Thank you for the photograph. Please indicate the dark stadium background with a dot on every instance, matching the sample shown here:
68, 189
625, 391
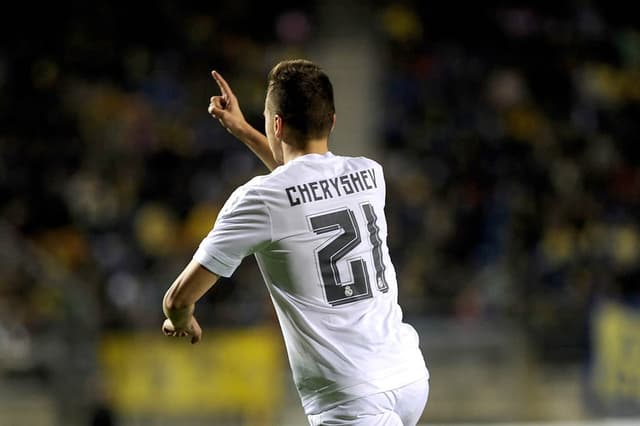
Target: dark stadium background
508, 132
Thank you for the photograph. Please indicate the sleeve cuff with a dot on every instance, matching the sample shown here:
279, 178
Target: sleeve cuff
214, 263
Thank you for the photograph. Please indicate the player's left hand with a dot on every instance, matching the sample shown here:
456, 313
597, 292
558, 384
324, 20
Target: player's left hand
192, 329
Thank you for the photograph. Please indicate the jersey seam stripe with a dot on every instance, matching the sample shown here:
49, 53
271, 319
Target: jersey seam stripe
261, 198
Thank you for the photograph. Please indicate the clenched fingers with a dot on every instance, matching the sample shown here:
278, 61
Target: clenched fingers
221, 102
169, 330
217, 105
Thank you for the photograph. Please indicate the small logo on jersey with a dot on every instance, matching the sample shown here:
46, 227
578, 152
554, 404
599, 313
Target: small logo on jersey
348, 291
380, 283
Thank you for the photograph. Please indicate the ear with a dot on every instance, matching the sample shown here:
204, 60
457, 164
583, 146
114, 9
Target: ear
333, 125
278, 126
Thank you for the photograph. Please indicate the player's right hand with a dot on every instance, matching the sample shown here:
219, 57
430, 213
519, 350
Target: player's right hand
225, 107
192, 330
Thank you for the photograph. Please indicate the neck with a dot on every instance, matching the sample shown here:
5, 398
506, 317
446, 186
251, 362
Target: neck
314, 146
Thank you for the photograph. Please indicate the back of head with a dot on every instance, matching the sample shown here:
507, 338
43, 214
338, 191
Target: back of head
302, 94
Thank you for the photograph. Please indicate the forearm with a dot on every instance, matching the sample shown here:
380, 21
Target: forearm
179, 301
258, 144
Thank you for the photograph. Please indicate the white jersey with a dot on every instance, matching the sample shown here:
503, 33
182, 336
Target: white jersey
317, 228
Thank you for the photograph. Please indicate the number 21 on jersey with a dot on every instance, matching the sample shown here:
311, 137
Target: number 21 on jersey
337, 291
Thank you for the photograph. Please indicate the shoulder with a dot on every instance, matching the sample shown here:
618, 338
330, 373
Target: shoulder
360, 161
261, 183
365, 163
370, 161
245, 195
264, 184
247, 188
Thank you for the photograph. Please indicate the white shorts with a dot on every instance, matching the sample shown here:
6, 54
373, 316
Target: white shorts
398, 407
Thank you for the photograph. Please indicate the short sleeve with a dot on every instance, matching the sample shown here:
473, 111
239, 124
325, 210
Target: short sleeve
243, 226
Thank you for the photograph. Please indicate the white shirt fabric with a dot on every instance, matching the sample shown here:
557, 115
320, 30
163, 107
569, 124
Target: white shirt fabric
318, 231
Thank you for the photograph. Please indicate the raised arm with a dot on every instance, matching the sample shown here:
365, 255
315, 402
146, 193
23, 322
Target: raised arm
226, 109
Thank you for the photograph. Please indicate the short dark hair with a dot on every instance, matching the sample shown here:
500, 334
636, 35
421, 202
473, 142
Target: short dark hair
302, 94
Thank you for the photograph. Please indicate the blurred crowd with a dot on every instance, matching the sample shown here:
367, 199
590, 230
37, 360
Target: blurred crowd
508, 139
514, 164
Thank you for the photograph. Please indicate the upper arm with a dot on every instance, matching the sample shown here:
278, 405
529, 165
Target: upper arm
192, 283
242, 228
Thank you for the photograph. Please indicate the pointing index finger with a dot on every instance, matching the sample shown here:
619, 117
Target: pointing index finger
222, 84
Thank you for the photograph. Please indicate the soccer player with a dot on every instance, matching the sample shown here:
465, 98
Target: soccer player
317, 228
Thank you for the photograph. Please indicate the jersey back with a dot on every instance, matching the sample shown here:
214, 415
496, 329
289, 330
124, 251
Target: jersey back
317, 228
